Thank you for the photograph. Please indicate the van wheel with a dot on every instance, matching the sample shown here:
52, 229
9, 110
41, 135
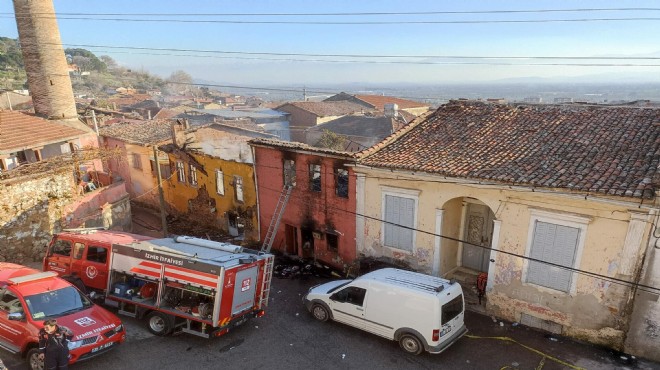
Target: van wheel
33, 359
410, 344
160, 324
320, 313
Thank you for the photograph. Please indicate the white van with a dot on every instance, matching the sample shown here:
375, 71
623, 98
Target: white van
419, 311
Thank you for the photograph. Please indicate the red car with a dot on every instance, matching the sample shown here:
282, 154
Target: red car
29, 297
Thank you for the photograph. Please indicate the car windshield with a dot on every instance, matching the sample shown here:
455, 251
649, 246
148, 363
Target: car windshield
56, 303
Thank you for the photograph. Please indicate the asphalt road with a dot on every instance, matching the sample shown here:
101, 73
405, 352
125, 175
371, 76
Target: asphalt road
287, 337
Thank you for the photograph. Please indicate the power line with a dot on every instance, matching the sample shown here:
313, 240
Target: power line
358, 55
348, 61
365, 23
516, 11
643, 287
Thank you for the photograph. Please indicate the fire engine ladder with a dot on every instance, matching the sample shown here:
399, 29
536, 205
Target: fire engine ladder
265, 285
277, 217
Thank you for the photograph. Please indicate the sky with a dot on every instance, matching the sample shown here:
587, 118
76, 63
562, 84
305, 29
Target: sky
400, 48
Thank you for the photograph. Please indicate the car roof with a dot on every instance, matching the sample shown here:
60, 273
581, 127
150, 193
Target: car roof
409, 279
107, 236
28, 281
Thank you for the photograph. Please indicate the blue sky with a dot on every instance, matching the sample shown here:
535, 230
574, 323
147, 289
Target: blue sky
591, 39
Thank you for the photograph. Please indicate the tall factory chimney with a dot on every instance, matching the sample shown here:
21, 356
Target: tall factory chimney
45, 63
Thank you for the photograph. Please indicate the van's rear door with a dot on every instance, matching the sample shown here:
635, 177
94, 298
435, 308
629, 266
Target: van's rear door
452, 317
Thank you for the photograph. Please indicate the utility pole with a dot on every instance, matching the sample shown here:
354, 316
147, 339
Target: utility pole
163, 216
96, 125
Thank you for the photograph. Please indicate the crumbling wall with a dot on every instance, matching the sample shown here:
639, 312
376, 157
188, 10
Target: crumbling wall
35, 207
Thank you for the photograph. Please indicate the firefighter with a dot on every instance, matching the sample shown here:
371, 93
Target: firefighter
54, 345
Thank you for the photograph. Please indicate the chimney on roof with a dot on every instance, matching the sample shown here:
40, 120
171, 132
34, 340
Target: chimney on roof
179, 132
45, 63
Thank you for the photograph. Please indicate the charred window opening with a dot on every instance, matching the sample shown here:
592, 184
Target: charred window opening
235, 223
315, 177
307, 236
332, 241
341, 179
289, 172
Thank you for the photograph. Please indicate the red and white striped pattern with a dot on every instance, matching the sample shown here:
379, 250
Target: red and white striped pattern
190, 276
151, 269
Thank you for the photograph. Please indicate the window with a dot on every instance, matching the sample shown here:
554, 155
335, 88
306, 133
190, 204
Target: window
353, 295
192, 172
556, 244
61, 247
315, 177
341, 182
238, 184
219, 182
399, 212
332, 241
97, 254
165, 170
9, 302
137, 161
289, 172
180, 169
78, 250
451, 309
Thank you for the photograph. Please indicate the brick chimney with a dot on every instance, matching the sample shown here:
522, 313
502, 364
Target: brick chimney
45, 63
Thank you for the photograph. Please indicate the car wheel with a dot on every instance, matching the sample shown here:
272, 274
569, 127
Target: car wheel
33, 360
160, 323
320, 312
410, 344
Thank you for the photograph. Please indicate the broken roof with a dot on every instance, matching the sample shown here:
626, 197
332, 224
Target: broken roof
327, 108
141, 133
604, 149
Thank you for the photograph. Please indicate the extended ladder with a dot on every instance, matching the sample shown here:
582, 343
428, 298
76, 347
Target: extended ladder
265, 285
277, 217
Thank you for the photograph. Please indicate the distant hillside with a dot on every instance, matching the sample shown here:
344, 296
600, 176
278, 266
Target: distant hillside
92, 75
12, 73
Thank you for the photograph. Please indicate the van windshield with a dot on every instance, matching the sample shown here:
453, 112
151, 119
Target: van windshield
451, 309
56, 303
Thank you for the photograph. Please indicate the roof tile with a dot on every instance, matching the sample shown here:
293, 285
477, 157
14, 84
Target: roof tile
606, 149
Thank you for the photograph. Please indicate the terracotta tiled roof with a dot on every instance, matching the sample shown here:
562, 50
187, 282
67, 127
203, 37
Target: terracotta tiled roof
291, 145
379, 101
611, 150
327, 109
141, 133
20, 131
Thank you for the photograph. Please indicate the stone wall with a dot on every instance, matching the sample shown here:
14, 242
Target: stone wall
33, 208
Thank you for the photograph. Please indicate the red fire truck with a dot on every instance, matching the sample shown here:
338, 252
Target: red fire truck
185, 284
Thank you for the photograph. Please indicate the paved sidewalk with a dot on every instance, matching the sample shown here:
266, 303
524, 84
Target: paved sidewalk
504, 340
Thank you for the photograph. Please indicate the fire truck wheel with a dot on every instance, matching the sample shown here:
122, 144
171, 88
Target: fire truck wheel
160, 323
320, 313
33, 359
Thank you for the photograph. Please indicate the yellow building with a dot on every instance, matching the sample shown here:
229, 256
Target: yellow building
556, 205
212, 179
